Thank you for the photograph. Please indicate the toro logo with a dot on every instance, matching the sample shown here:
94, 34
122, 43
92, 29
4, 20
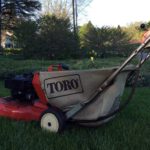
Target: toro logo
63, 86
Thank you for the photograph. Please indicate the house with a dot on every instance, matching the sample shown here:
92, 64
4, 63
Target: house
7, 41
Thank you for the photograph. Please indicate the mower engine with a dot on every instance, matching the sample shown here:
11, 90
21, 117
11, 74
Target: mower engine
21, 87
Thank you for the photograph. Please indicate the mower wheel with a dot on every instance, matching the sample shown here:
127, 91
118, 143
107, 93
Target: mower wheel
52, 120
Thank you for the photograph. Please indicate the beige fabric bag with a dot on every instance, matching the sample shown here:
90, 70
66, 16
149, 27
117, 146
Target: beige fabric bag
64, 89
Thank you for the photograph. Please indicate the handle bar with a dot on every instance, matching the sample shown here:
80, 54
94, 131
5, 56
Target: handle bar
134, 53
107, 82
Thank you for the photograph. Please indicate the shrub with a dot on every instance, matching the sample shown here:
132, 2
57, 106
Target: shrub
12, 51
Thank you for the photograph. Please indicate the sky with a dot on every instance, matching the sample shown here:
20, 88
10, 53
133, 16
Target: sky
116, 12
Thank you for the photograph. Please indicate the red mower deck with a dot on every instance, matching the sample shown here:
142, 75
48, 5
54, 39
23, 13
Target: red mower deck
21, 111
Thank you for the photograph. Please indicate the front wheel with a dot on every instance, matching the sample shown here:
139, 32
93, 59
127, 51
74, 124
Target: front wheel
52, 120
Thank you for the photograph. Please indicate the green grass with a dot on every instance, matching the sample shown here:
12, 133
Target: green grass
10, 65
129, 130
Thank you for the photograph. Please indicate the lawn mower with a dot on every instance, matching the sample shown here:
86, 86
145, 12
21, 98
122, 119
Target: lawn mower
86, 97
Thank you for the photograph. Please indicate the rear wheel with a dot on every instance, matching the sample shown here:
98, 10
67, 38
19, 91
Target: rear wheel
52, 120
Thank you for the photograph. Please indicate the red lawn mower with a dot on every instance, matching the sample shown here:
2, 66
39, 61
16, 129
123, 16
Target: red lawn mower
28, 101
87, 97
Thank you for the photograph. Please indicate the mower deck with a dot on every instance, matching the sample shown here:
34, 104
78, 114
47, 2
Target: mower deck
20, 110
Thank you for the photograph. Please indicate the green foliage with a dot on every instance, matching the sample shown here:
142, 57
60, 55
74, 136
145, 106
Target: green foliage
148, 24
25, 34
1, 49
50, 37
11, 65
104, 41
133, 31
12, 51
56, 37
14, 10
92, 53
86, 33
119, 42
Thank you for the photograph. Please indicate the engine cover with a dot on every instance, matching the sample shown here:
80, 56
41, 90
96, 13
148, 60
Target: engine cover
21, 87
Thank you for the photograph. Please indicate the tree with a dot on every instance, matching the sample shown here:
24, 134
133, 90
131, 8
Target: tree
148, 24
14, 10
86, 33
119, 41
78, 7
66, 9
104, 40
50, 37
94, 38
133, 31
59, 8
25, 35
63, 8
56, 37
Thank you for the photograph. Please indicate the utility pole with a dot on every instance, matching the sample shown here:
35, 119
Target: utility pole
75, 15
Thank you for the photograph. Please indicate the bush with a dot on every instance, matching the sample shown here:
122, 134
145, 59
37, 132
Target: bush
50, 37
12, 51
56, 38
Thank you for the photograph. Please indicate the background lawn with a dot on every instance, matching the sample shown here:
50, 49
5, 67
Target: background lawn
129, 130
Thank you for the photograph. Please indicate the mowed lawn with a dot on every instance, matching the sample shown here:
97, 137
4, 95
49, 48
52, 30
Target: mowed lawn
129, 130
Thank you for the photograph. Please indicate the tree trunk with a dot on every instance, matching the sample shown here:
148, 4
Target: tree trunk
74, 18
76, 15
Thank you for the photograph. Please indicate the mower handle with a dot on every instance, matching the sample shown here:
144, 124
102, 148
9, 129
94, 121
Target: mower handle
134, 53
107, 82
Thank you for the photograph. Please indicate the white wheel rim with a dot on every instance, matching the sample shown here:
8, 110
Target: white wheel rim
49, 122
